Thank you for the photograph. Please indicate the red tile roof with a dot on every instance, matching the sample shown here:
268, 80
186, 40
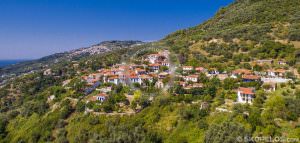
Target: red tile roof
102, 94
199, 68
246, 90
252, 77
154, 65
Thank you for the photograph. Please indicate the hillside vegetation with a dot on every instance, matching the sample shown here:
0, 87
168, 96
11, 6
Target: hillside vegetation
247, 20
55, 107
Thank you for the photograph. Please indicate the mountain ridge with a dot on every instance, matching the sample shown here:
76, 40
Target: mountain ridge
33, 65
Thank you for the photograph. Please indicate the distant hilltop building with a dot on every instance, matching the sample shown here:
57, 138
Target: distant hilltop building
47, 72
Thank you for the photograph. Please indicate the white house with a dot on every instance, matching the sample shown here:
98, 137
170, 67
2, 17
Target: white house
100, 97
245, 95
192, 78
154, 67
114, 80
152, 58
135, 79
159, 84
167, 64
187, 68
47, 72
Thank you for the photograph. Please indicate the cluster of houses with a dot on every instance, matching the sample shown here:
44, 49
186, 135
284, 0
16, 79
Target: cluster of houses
131, 74
270, 77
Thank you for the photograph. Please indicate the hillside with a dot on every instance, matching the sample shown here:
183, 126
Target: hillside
74, 55
247, 20
234, 78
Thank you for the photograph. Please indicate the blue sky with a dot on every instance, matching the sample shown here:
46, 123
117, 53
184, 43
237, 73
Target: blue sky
36, 28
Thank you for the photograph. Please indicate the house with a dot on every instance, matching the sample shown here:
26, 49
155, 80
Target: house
164, 63
249, 78
197, 85
114, 80
66, 82
271, 73
140, 71
105, 89
135, 79
164, 53
163, 75
187, 68
245, 95
200, 69
204, 105
154, 67
275, 80
276, 73
281, 63
146, 77
100, 97
183, 84
241, 72
159, 84
222, 76
262, 62
280, 72
213, 72
90, 80
152, 58
47, 72
192, 78
269, 86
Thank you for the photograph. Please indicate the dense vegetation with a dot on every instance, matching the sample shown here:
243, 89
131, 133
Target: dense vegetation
27, 114
247, 20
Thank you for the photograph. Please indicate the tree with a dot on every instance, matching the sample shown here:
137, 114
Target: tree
230, 83
80, 106
227, 132
274, 108
3, 123
254, 118
137, 94
259, 99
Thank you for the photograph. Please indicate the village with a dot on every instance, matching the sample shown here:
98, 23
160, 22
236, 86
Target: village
156, 72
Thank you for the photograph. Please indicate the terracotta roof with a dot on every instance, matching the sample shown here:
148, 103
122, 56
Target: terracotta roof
114, 77
94, 98
246, 90
277, 70
199, 68
145, 76
280, 70
139, 69
102, 94
133, 76
182, 83
253, 77
154, 65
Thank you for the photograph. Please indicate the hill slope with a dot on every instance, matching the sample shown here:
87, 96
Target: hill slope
28, 114
29, 66
248, 20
